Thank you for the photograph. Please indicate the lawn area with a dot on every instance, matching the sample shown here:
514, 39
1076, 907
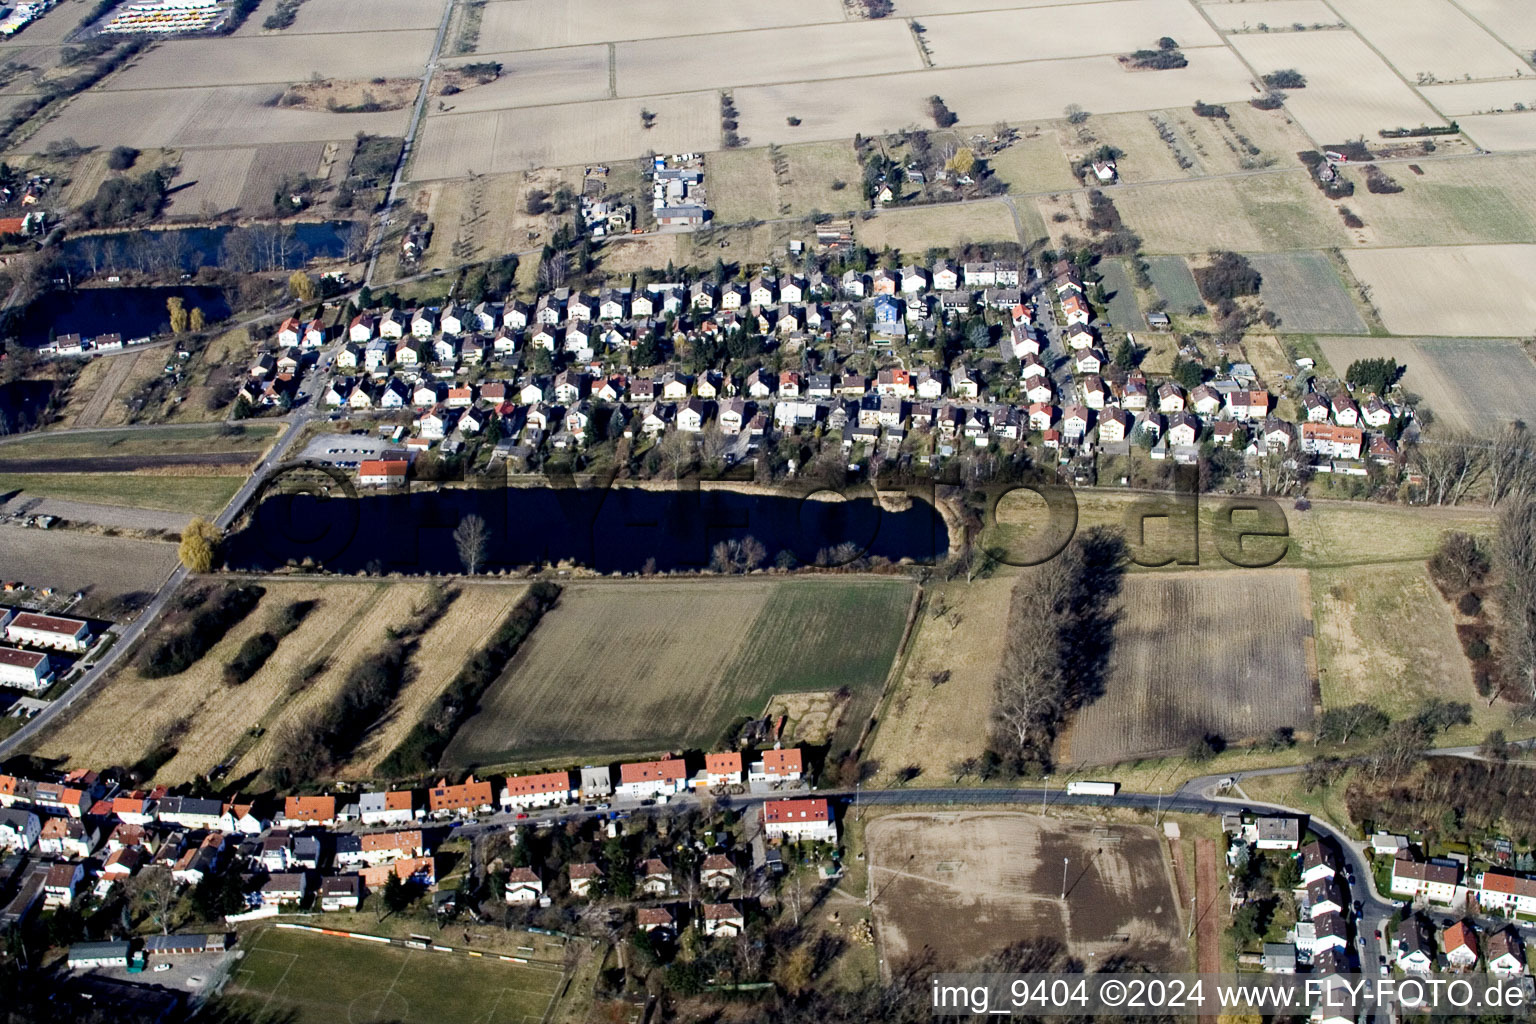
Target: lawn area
178, 440
1035, 163
916, 229
746, 184
325, 980
627, 669
1386, 637
190, 494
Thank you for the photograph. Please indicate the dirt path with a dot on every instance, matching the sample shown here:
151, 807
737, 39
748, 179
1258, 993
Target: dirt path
97, 407
1207, 916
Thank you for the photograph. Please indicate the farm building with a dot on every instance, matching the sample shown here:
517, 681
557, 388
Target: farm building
799, 820
51, 631
25, 670
680, 216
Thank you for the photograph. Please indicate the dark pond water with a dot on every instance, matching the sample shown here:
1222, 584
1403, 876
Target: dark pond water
131, 312
616, 531
260, 247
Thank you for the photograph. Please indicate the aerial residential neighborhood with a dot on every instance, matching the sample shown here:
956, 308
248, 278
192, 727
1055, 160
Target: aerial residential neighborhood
640, 514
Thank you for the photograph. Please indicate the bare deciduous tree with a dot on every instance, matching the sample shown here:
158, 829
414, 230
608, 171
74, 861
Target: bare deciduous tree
1514, 555
471, 536
1450, 462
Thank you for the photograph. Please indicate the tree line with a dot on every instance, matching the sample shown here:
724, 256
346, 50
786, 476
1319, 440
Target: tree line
1059, 637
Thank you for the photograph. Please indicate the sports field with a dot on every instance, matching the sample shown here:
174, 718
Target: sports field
323, 979
621, 669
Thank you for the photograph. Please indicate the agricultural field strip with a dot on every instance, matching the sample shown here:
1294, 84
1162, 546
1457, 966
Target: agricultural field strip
454, 144
693, 658
1249, 681
391, 609
474, 615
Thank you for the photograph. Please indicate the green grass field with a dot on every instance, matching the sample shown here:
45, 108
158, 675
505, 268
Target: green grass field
190, 494
1308, 295
625, 670
182, 440
322, 979
1174, 282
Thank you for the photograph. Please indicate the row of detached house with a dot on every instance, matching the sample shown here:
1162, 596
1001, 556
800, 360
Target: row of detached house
83, 828
615, 304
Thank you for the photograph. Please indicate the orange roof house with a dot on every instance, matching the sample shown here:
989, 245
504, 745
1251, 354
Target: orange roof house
316, 809
471, 795
410, 869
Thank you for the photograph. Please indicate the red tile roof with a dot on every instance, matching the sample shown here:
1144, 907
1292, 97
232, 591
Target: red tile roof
778, 812
672, 769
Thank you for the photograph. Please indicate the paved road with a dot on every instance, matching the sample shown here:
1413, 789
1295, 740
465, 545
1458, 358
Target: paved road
417, 111
130, 632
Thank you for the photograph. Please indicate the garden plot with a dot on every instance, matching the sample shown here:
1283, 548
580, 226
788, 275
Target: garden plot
210, 181
916, 229
1495, 279
349, 17
1510, 20
1469, 384
1124, 314
1501, 131
1173, 280
1351, 92
1038, 89
620, 670
1452, 202
1202, 653
1308, 295
524, 25
1250, 214
970, 882
1429, 39
1460, 98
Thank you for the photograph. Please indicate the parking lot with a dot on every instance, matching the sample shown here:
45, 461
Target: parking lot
345, 451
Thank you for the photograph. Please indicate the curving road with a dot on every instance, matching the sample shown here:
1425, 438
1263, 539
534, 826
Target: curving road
130, 632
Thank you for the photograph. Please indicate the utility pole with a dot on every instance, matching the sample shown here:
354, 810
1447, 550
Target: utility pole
1064, 862
1192, 908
